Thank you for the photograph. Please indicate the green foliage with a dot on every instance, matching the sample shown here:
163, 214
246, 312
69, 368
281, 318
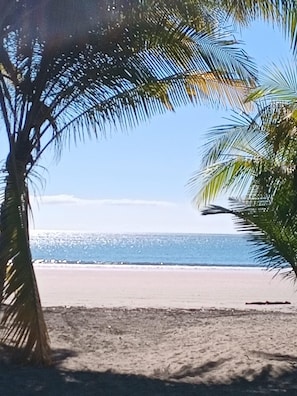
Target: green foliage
271, 229
264, 151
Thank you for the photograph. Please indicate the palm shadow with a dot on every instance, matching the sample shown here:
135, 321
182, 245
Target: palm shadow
276, 356
11, 356
189, 371
28, 381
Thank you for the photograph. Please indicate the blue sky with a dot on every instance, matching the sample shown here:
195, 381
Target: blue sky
136, 181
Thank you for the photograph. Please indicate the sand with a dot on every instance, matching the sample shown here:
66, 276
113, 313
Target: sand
161, 287
163, 332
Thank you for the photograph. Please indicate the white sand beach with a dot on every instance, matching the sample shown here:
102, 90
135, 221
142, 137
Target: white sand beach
162, 287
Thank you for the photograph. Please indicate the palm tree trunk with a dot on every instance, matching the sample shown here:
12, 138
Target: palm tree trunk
23, 320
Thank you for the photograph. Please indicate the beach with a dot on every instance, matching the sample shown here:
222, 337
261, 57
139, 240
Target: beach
162, 287
125, 331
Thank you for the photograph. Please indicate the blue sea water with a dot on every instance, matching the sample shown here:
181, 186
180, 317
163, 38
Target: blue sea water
142, 249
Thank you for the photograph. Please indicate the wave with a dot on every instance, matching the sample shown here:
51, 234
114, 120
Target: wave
138, 265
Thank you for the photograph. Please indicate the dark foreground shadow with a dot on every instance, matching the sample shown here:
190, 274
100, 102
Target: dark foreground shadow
28, 381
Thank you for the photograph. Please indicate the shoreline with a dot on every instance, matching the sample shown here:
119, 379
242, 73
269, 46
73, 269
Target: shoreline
56, 265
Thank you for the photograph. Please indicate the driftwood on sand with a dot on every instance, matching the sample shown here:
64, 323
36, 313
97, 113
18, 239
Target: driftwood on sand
267, 303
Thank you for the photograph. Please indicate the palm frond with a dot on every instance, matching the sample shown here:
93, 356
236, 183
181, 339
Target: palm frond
234, 176
22, 318
273, 239
290, 26
231, 159
133, 88
275, 11
278, 83
261, 147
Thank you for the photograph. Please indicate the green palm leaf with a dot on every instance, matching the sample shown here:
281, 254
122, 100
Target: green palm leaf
268, 209
231, 159
273, 237
278, 83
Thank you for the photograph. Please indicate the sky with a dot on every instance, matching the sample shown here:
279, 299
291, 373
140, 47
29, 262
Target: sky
136, 181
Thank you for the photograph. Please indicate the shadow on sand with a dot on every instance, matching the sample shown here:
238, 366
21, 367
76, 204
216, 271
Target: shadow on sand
27, 381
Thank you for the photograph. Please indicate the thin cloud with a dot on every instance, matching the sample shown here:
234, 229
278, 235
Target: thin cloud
64, 199
61, 199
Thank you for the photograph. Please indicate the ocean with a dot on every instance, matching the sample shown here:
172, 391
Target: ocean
82, 248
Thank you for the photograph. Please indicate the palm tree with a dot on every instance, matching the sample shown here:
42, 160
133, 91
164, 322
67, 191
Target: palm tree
70, 69
256, 158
